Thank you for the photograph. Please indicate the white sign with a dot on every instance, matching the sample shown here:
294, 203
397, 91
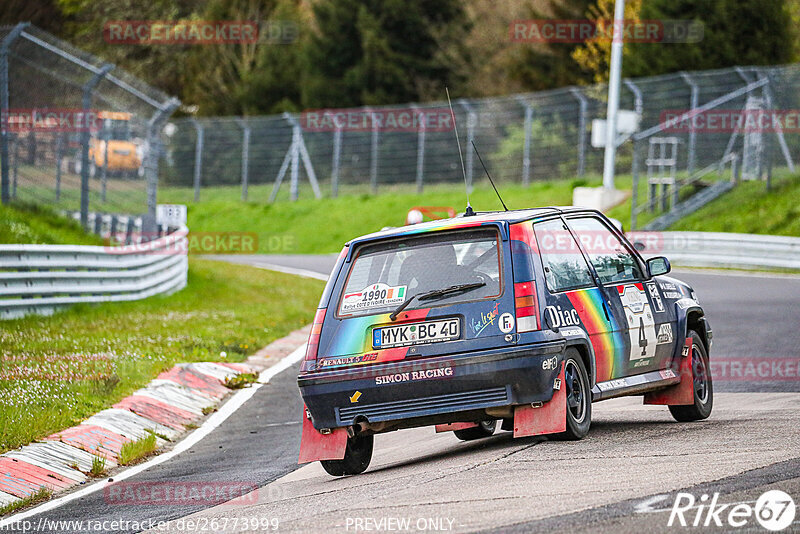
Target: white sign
171, 214
627, 123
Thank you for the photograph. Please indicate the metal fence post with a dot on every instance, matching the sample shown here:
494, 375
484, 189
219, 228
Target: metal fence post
767, 91
88, 89
104, 177
420, 147
471, 120
198, 157
638, 107
526, 147
337, 153
690, 160
59, 157
15, 168
373, 163
4, 106
154, 126
245, 155
583, 105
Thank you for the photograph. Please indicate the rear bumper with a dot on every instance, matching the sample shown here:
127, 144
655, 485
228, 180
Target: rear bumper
432, 389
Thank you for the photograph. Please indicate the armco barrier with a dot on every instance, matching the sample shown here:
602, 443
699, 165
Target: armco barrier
713, 249
42, 278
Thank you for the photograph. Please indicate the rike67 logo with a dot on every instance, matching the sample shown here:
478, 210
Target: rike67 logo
774, 510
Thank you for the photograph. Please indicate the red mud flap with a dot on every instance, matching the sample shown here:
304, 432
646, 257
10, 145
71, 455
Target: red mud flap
550, 418
317, 446
454, 426
682, 393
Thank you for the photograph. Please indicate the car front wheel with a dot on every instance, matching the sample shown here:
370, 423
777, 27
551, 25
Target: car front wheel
703, 388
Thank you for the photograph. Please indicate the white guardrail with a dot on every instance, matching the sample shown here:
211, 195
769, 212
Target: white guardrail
712, 249
42, 278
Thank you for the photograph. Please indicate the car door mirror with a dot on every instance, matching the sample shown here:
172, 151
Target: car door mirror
658, 265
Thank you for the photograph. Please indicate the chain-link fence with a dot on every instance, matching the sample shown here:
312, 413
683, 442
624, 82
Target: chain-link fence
77, 133
522, 138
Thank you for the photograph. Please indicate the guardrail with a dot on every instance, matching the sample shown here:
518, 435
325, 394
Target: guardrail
713, 249
42, 278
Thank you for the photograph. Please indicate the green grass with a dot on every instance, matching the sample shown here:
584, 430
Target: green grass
321, 226
22, 223
751, 209
241, 380
98, 467
41, 495
134, 451
56, 371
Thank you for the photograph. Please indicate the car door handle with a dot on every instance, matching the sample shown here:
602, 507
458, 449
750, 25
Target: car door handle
605, 310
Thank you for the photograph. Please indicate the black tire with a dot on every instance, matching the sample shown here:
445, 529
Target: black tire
356, 457
703, 387
483, 430
579, 397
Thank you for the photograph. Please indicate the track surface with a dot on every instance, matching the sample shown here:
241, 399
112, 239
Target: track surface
622, 478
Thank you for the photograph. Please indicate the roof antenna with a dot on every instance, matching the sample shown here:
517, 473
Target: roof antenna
489, 175
469, 212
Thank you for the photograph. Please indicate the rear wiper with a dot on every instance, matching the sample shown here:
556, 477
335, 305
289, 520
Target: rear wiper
436, 293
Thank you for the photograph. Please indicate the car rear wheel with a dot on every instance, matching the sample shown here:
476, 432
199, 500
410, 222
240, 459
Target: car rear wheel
356, 459
483, 430
703, 387
579, 397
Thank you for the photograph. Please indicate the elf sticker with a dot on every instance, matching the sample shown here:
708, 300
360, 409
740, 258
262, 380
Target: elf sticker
375, 296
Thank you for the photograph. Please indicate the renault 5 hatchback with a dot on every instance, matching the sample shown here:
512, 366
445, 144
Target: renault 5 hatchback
519, 317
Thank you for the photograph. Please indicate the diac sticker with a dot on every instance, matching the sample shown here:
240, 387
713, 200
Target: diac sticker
375, 296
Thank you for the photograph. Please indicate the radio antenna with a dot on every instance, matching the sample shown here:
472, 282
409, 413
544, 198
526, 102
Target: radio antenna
489, 176
469, 212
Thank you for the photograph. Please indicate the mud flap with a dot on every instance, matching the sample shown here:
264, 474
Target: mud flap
682, 393
454, 426
550, 418
317, 446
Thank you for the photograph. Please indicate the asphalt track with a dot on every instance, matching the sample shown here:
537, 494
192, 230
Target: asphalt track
622, 478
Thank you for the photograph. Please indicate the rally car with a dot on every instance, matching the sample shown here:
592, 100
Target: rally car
524, 317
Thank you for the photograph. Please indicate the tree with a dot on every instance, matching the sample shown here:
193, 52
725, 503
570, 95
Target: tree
735, 32
248, 78
158, 64
379, 51
550, 65
594, 55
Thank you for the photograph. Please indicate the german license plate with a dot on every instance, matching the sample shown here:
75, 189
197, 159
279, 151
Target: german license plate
416, 334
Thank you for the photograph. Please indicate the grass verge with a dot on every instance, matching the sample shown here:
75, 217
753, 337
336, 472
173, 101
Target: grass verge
134, 451
22, 223
41, 495
241, 381
56, 371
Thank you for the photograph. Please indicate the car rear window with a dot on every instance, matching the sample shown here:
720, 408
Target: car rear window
384, 275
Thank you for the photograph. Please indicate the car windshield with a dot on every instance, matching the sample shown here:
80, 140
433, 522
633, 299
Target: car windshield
386, 275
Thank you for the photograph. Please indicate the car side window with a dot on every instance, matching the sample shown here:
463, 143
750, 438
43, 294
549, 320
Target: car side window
564, 266
612, 261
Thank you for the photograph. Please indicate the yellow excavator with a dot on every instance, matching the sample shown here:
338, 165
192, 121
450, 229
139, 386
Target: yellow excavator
124, 155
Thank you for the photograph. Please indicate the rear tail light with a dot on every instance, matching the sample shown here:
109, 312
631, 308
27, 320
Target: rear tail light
526, 306
313, 341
